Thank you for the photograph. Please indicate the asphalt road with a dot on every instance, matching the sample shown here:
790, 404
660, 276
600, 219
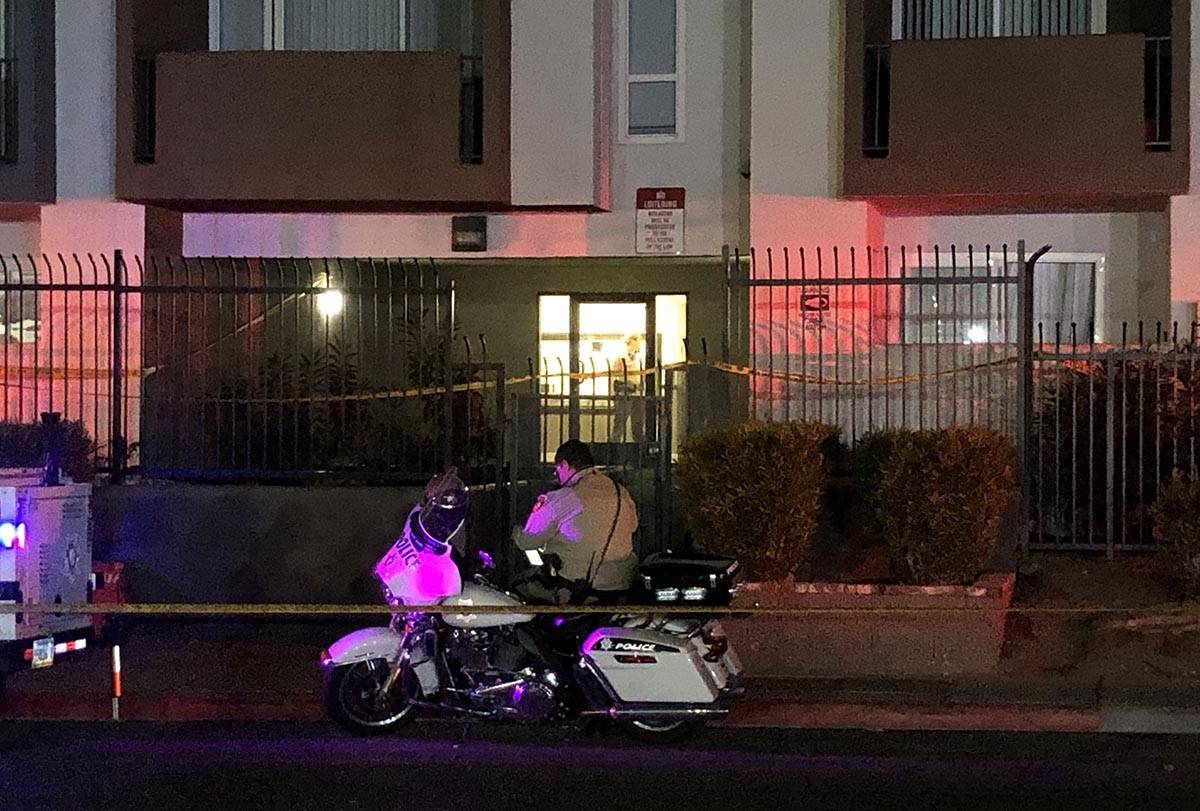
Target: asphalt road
437, 766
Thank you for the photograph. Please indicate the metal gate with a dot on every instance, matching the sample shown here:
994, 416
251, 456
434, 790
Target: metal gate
882, 339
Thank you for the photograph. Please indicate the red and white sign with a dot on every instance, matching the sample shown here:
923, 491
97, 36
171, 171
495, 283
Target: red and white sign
660, 221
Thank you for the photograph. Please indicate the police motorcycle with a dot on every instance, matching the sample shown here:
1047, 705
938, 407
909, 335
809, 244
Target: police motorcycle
658, 678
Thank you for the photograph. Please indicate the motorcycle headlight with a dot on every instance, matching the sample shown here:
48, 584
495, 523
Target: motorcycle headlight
388, 597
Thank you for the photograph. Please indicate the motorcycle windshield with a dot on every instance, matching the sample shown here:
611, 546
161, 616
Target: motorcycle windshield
444, 509
416, 577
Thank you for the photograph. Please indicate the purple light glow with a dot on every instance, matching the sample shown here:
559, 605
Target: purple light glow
558, 621
12, 535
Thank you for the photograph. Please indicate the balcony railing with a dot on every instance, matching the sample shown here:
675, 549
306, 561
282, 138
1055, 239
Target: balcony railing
877, 99
145, 113
964, 19
470, 118
1158, 94
8, 111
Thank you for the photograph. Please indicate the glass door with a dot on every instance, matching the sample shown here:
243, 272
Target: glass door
597, 361
610, 355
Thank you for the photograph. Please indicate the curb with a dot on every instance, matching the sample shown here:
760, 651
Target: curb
162, 708
805, 714
879, 715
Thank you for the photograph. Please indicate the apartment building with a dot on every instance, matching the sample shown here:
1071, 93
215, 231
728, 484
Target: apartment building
577, 166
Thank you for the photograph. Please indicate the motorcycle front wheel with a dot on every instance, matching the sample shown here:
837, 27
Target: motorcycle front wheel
354, 698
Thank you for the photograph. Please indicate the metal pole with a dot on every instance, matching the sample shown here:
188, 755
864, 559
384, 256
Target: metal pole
1025, 386
726, 259
448, 374
1110, 439
116, 437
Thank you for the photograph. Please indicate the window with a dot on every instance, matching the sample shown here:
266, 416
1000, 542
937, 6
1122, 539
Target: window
364, 25
962, 19
18, 307
1064, 293
650, 54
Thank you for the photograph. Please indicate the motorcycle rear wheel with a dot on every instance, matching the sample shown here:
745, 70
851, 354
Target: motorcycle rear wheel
353, 699
661, 731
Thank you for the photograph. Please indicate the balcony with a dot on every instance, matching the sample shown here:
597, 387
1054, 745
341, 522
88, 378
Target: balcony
281, 130
27, 139
1008, 122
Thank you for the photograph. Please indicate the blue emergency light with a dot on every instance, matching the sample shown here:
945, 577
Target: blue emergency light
12, 535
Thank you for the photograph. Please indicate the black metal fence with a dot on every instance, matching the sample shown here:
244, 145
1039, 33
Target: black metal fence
248, 368
353, 369
883, 339
62, 320
1113, 424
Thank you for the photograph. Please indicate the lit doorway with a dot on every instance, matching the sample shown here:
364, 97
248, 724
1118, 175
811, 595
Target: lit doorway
598, 356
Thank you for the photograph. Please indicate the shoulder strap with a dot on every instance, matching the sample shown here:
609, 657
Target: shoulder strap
611, 531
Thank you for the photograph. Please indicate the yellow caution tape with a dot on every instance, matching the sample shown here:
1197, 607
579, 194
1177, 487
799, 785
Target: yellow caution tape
299, 609
808, 379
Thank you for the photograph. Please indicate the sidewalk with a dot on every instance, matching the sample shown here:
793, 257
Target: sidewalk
1058, 673
205, 671
993, 705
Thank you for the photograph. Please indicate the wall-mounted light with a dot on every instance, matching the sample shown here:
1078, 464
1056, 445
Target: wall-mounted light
468, 233
330, 303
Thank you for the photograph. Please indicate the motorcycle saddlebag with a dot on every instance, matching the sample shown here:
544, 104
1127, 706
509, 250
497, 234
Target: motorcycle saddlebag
685, 578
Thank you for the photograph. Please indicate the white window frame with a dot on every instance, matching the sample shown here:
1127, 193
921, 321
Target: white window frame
1099, 18
624, 79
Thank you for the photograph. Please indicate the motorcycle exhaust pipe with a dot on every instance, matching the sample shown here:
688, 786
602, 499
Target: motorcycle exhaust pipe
665, 712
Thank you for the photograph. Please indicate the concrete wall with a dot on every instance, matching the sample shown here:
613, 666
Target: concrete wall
19, 237
85, 76
1136, 248
1185, 210
231, 544
796, 130
553, 133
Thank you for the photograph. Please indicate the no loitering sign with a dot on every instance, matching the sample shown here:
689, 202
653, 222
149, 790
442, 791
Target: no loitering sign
660, 220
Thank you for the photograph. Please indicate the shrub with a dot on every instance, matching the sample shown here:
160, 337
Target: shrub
941, 497
753, 490
23, 445
1177, 527
872, 454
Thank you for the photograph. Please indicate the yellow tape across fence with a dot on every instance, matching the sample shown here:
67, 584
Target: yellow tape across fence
28, 374
1176, 611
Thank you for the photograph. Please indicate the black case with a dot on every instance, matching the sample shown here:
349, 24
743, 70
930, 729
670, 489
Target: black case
662, 571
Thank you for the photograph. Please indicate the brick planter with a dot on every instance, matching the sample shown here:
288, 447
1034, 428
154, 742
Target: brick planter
887, 643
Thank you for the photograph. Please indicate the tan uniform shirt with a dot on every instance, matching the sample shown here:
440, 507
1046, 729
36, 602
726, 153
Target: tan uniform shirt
574, 523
